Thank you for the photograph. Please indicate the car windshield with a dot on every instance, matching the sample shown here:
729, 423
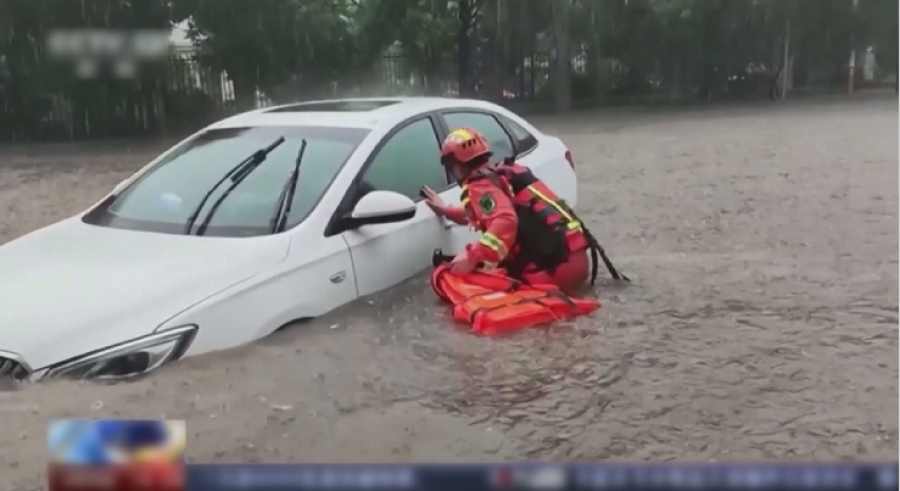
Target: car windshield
163, 198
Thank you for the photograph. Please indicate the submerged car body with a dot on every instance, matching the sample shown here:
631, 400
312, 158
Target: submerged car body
126, 286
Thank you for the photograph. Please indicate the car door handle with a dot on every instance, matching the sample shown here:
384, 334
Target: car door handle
338, 277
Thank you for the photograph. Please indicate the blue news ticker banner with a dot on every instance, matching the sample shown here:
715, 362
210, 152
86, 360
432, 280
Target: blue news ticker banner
545, 477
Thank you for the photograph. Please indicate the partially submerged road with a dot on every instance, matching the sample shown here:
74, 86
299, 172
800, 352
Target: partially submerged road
762, 323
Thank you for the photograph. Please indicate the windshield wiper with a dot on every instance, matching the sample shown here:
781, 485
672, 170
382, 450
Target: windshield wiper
283, 209
237, 174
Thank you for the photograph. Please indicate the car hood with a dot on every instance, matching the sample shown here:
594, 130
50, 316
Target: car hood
72, 288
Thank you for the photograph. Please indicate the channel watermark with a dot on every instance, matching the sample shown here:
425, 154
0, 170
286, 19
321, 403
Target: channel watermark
103, 53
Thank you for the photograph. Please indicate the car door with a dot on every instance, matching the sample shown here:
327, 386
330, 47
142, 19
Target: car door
386, 254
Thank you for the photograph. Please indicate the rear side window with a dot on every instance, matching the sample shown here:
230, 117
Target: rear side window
501, 143
524, 140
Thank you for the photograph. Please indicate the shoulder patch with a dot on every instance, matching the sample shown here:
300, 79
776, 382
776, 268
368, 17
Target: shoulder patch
487, 203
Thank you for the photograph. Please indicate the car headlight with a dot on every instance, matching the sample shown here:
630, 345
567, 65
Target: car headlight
125, 360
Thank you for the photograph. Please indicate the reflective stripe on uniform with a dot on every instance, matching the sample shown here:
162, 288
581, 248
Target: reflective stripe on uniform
571, 222
491, 241
464, 196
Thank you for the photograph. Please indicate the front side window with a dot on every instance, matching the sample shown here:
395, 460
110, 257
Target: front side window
487, 125
409, 160
163, 199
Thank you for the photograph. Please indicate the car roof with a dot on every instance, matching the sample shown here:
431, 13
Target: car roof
365, 113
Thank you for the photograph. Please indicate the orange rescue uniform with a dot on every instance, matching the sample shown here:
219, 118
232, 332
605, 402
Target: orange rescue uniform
489, 208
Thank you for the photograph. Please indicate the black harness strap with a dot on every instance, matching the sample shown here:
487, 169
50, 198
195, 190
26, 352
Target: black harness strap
597, 249
490, 175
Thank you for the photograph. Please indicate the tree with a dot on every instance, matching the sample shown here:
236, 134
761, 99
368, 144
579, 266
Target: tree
429, 32
264, 44
30, 85
878, 23
562, 59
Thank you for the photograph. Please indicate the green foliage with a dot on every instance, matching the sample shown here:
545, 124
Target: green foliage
878, 23
30, 87
263, 44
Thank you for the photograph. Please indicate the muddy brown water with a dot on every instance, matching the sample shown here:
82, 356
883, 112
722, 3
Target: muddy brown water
762, 323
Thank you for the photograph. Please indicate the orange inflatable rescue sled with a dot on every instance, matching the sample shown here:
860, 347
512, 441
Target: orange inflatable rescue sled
494, 303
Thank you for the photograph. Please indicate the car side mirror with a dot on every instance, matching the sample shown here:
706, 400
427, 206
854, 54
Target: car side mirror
379, 207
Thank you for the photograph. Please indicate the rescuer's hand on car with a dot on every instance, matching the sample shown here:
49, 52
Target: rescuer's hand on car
434, 201
455, 214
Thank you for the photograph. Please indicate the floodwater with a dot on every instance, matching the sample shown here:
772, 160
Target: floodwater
761, 325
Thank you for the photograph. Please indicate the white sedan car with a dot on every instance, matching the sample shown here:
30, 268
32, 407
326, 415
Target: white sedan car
317, 204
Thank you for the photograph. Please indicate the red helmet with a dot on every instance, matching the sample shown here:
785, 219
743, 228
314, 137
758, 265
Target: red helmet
463, 145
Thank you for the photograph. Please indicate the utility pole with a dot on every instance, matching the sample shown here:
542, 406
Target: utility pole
851, 78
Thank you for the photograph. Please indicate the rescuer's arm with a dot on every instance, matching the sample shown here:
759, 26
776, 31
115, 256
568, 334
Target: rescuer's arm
493, 208
456, 214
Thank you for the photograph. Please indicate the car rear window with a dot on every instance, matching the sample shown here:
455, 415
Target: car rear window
163, 199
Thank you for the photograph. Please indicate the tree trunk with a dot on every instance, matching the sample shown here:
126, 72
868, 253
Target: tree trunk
464, 49
595, 65
561, 73
432, 72
492, 61
712, 53
787, 60
245, 94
